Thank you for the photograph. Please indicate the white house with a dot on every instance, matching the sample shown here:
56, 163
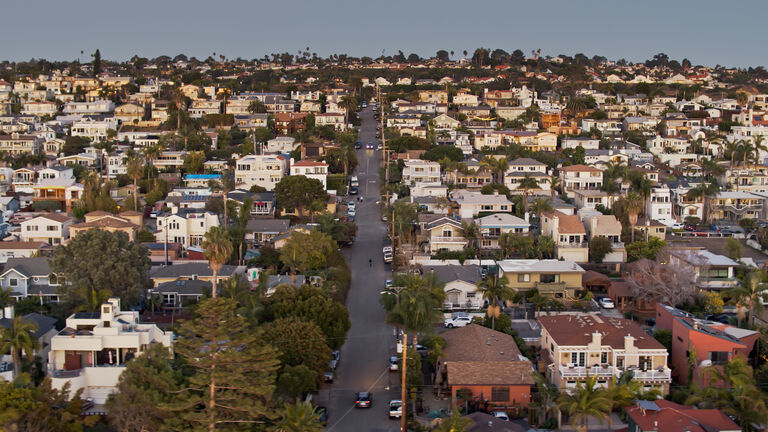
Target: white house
94, 129
92, 351
659, 205
261, 170
52, 229
311, 169
184, 226
519, 168
421, 171
472, 204
460, 285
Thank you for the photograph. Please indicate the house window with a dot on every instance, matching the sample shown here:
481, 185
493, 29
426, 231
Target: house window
549, 278
718, 357
579, 359
447, 233
13, 282
604, 357
51, 228
524, 277
500, 394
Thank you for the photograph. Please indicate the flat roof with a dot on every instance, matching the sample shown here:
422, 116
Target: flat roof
539, 266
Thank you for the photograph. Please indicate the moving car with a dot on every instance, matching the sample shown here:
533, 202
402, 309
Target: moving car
379, 147
459, 321
393, 363
606, 303
370, 145
358, 146
395, 408
363, 400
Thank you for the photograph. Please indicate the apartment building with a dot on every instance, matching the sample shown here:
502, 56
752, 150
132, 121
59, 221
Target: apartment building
659, 205
261, 170
201, 108
89, 108
95, 129
39, 108
421, 171
92, 351
713, 272
734, 206
16, 143
580, 346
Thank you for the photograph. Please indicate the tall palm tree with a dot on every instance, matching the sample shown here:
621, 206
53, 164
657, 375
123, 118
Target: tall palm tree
349, 103
299, 417
541, 205
6, 297
497, 166
526, 184
225, 185
135, 168
104, 147
496, 290
471, 231
151, 153
748, 150
180, 101
218, 250
554, 182
705, 192
750, 293
18, 338
731, 147
633, 203
759, 147
241, 228
585, 401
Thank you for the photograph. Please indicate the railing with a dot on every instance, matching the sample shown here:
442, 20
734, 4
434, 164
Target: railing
550, 287
617, 245
649, 375
448, 240
583, 372
67, 373
573, 245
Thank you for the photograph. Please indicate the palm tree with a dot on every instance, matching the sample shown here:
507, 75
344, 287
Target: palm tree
586, 400
633, 203
541, 205
18, 338
226, 185
180, 101
349, 103
497, 166
547, 395
218, 250
151, 153
495, 290
750, 293
526, 184
731, 147
6, 297
104, 147
748, 150
757, 144
299, 417
241, 229
455, 423
705, 192
135, 168
471, 231
554, 182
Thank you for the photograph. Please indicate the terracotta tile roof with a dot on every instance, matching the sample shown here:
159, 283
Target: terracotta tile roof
99, 213
106, 222
489, 373
568, 224
573, 168
57, 217
569, 330
477, 343
668, 416
131, 213
21, 245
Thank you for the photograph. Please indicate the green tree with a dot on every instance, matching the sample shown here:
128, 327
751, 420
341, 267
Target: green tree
713, 302
471, 232
599, 247
349, 103
497, 166
146, 388
299, 343
96, 65
643, 249
540, 205
526, 184
257, 107
233, 370
705, 192
19, 338
299, 417
135, 169
632, 203
299, 193
312, 304
306, 251
497, 291
585, 401
218, 250
750, 293
193, 162
99, 260
295, 381
225, 185
24, 407
733, 248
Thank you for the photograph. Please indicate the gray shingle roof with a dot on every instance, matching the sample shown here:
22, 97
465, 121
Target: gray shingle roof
183, 287
268, 225
188, 269
450, 273
29, 266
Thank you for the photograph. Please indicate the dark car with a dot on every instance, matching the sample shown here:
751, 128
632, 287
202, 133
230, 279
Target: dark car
358, 146
353, 190
363, 400
322, 413
328, 377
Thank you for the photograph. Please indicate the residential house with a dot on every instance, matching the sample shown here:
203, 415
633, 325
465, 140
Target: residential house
472, 204
421, 171
712, 343
129, 113
554, 278
21, 249
444, 233
185, 226
494, 225
89, 108
433, 96
486, 366
169, 159
106, 222
474, 179
713, 272
311, 169
335, 120
52, 228
201, 107
659, 205
191, 271
591, 198
93, 128
262, 231
580, 346
45, 329
249, 122
734, 206
519, 168
260, 170
17, 144
663, 415
648, 228
461, 285
585, 143
39, 108
569, 235
263, 202
65, 191
579, 177
287, 123
683, 206
281, 144
606, 226
26, 277
175, 294
92, 351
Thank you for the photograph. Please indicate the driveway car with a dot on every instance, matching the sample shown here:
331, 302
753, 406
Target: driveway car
459, 321
501, 415
606, 303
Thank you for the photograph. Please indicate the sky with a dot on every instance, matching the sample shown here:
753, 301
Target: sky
704, 31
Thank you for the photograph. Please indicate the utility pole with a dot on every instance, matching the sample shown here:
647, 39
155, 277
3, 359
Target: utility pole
403, 390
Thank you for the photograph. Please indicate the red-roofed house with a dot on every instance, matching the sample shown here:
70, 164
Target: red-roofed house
311, 169
666, 416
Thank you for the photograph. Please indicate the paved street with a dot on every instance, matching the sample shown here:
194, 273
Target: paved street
364, 362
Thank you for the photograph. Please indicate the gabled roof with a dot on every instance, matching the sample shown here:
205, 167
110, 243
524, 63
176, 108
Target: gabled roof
190, 269
28, 267
569, 330
450, 273
578, 168
667, 416
526, 161
44, 323
481, 344
489, 373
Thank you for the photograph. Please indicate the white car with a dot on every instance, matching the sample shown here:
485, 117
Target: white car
395, 408
678, 226
351, 206
606, 303
459, 321
388, 257
393, 363
501, 415
386, 249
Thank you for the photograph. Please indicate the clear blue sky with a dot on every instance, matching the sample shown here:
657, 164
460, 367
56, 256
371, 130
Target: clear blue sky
705, 31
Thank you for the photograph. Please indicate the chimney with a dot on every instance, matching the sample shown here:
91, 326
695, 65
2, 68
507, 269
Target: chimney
695, 325
629, 342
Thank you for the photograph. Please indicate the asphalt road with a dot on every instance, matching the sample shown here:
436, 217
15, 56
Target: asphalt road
364, 364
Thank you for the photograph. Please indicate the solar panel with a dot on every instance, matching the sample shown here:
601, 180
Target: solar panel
648, 405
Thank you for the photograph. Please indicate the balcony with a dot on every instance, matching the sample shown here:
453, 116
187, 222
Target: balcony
662, 374
583, 372
455, 240
583, 245
617, 245
550, 287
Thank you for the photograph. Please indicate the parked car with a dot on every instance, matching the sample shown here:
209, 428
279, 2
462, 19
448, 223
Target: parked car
501, 415
606, 303
378, 147
353, 190
386, 249
363, 400
388, 284
388, 257
358, 146
328, 376
393, 363
351, 206
678, 226
459, 321
395, 408
322, 413
332, 364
